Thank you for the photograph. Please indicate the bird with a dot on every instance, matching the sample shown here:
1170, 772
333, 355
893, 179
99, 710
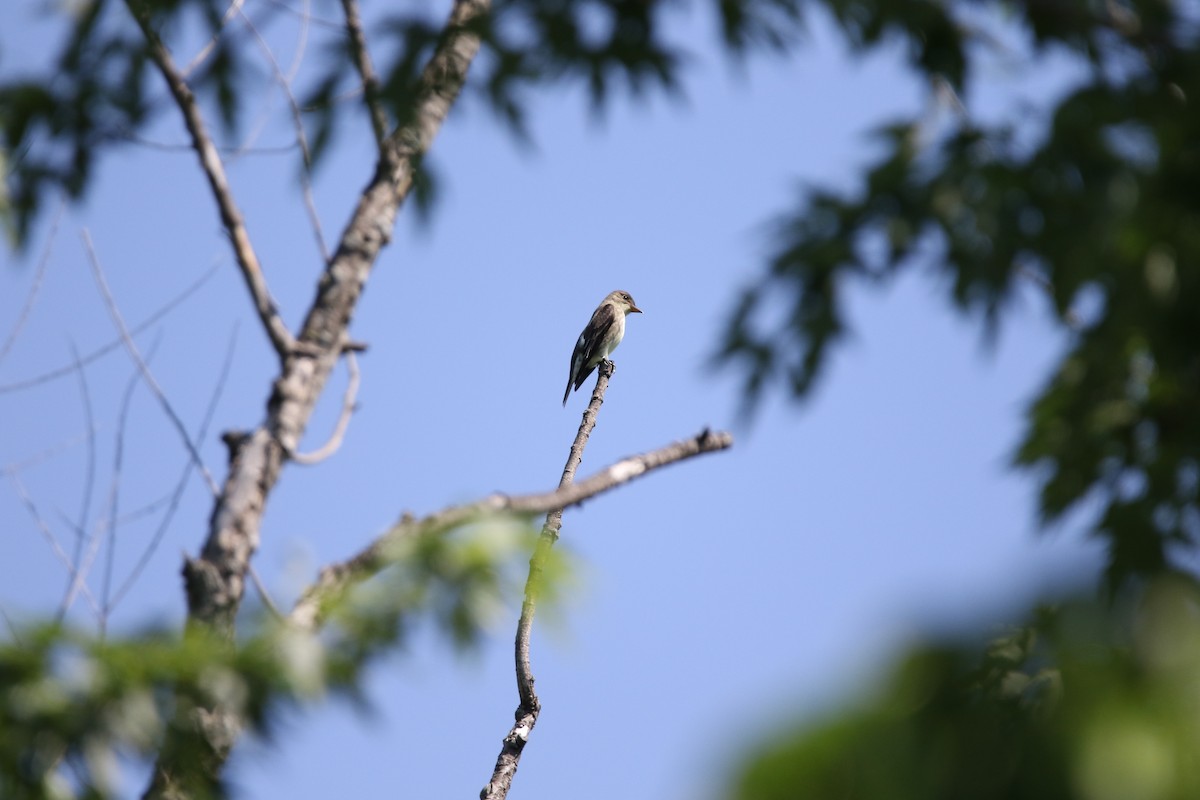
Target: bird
600, 337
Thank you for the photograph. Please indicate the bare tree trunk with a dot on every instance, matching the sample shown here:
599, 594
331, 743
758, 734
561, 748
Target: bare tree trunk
215, 580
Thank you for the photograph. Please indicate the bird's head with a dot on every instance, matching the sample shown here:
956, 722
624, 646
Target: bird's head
624, 301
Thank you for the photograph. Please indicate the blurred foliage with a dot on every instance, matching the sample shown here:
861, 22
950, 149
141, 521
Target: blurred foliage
1103, 211
77, 710
1094, 699
1089, 701
101, 90
97, 93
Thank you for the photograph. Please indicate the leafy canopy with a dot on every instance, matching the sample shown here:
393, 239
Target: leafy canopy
1103, 209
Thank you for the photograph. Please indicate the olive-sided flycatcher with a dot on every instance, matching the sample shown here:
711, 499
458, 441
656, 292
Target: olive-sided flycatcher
603, 333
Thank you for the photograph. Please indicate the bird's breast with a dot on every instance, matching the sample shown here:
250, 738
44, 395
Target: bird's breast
618, 333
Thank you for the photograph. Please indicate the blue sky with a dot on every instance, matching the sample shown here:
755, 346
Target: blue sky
715, 599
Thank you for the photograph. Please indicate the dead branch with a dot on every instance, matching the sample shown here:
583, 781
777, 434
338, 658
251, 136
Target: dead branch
216, 579
285, 86
227, 150
143, 367
362, 62
349, 406
114, 502
84, 566
89, 478
100, 352
12, 629
43, 455
38, 277
210, 162
264, 595
172, 500
530, 707
301, 43
44, 529
305, 15
211, 44
337, 579
258, 456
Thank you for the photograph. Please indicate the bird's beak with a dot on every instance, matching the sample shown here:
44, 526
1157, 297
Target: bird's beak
634, 309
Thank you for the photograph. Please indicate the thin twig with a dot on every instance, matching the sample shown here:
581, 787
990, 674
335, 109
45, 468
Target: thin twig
301, 43
38, 277
151, 508
114, 500
530, 707
177, 494
79, 576
43, 455
349, 405
206, 51
249, 144
250, 140
228, 150
89, 478
305, 15
12, 629
353, 93
284, 82
143, 368
362, 61
264, 595
99, 352
210, 161
48, 535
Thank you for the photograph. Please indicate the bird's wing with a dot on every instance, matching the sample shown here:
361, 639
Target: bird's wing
587, 349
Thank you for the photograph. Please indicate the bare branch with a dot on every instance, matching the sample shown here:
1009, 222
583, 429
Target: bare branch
38, 277
238, 151
301, 140
99, 352
210, 161
216, 579
12, 629
260, 124
249, 144
362, 61
530, 707
301, 43
234, 8
114, 501
306, 16
143, 368
335, 580
89, 478
151, 508
48, 535
83, 567
43, 455
264, 595
349, 406
176, 495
